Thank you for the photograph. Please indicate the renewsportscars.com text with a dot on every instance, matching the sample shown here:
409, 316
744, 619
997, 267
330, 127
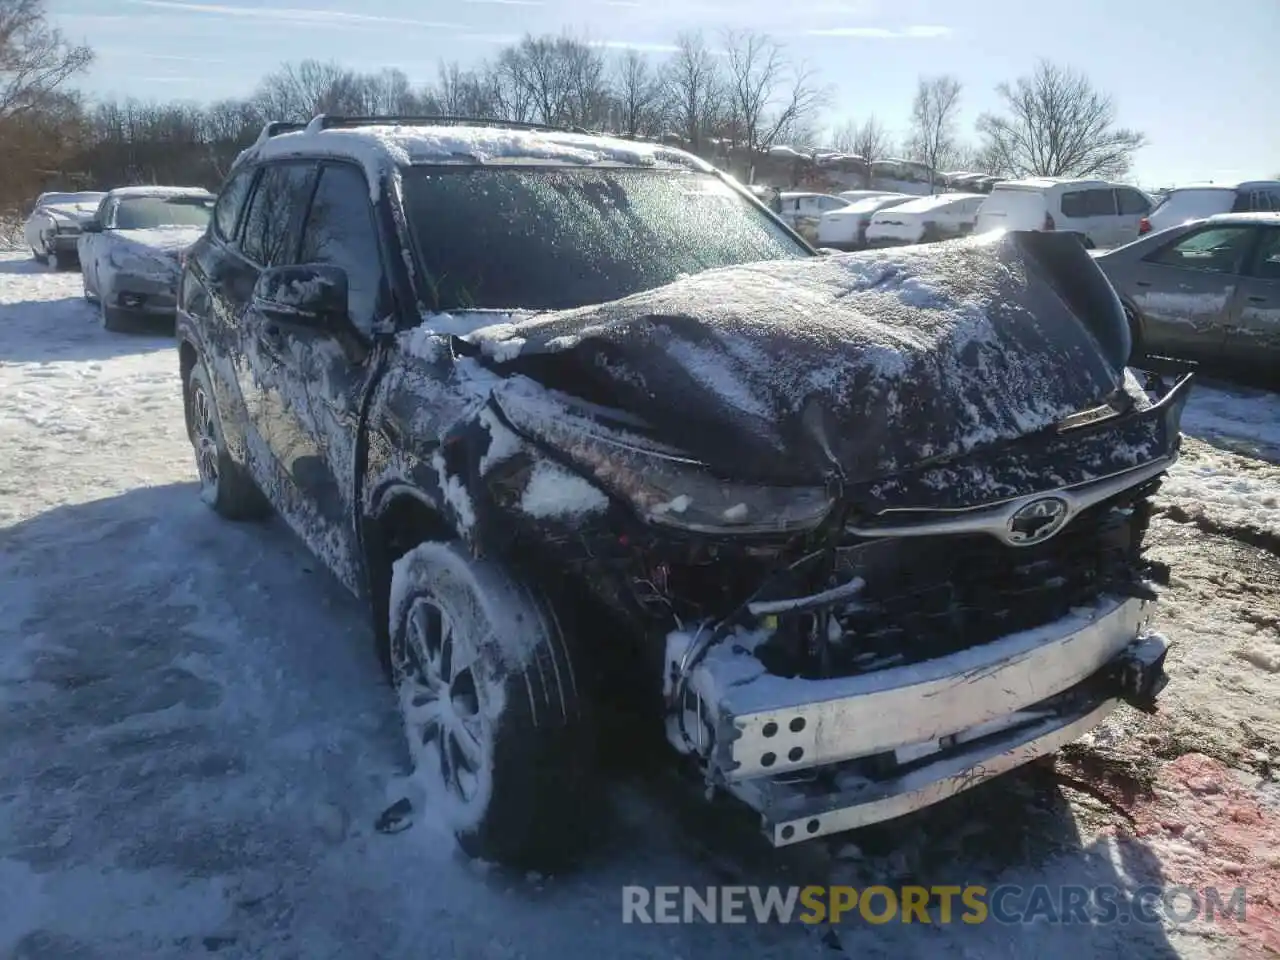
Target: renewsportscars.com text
942, 904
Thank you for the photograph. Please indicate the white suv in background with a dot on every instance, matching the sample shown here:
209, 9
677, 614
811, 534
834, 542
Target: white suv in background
1103, 214
1195, 201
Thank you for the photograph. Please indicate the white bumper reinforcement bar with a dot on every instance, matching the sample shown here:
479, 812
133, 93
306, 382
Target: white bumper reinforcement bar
766, 725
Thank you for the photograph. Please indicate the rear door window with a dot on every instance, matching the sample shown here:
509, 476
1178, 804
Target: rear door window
226, 212
272, 222
1074, 204
1211, 250
1266, 261
1131, 202
1100, 203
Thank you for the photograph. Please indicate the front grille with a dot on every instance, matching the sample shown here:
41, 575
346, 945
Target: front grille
930, 596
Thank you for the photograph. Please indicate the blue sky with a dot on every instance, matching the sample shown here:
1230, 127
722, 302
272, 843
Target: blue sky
1200, 82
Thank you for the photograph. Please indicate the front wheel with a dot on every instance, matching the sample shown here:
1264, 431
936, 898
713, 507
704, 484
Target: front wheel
224, 485
493, 707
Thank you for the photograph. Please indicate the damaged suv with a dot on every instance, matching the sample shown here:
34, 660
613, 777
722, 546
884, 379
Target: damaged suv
599, 438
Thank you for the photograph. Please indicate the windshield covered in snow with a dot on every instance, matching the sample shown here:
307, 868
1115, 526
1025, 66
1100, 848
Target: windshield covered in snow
553, 239
141, 213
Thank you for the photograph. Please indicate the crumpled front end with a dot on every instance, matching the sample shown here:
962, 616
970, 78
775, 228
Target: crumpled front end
926, 651
937, 575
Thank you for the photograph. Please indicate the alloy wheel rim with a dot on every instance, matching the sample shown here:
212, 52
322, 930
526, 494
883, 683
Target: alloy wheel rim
439, 698
205, 438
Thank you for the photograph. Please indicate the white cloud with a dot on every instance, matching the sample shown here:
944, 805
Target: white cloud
499, 38
883, 33
298, 16
143, 55
640, 45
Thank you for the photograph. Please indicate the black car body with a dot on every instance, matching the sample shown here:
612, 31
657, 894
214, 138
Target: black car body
856, 531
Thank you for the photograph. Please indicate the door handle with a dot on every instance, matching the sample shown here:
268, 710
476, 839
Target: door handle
1142, 283
1257, 299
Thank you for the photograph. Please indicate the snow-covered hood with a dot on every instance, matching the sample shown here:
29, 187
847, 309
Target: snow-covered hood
872, 361
151, 253
164, 240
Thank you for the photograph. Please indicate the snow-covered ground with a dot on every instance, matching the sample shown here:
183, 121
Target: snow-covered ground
195, 737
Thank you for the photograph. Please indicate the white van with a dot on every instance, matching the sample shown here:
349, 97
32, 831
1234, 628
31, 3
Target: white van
1196, 201
1103, 214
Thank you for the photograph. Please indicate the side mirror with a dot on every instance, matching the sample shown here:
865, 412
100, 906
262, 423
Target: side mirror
311, 295
92, 226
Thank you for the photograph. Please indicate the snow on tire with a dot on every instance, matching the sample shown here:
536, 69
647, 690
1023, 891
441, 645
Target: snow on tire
492, 708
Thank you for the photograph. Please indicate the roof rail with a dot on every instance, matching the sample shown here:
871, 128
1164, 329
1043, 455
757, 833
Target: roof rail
328, 122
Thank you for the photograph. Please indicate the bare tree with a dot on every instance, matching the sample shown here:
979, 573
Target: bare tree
768, 96
977, 158
300, 91
868, 140
35, 59
694, 89
40, 123
1058, 125
933, 122
638, 92
559, 80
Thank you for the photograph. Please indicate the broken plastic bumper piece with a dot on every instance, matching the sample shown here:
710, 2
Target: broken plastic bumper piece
815, 757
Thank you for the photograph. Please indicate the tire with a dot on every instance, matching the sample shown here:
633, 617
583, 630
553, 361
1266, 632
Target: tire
224, 484
109, 318
1136, 352
508, 756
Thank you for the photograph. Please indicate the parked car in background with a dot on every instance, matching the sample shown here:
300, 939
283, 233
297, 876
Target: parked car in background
604, 475
1196, 201
802, 211
846, 228
131, 251
52, 229
1206, 291
771, 197
849, 196
925, 219
1102, 214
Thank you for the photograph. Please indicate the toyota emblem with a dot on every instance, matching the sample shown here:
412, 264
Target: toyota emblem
1037, 521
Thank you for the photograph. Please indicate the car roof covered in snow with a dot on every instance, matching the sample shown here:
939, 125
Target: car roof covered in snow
803, 194
925, 204
1048, 183
1232, 185
121, 193
382, 147
1261, 218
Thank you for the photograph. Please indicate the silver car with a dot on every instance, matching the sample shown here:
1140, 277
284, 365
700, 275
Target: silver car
1206, 291
53, 227
131, 251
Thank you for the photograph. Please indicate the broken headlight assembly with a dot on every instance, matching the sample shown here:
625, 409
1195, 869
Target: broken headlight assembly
665, 487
